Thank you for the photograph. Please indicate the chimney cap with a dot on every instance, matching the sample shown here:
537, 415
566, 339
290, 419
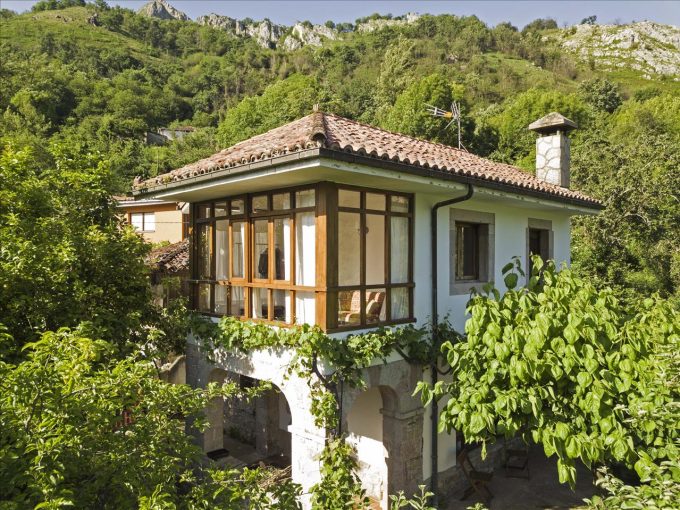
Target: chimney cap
551, 123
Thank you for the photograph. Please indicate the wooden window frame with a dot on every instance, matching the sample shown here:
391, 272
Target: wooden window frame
248, 281
334, 288
460, 249
326, 288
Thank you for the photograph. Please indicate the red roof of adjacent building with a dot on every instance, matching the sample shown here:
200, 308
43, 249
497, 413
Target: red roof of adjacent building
338, 134
171, 258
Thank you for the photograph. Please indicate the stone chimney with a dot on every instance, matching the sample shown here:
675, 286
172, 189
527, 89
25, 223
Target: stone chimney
552, 148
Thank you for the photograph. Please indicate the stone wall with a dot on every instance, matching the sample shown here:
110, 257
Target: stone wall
552, 159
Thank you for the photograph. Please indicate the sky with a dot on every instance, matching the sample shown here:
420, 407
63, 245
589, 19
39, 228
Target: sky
518, 12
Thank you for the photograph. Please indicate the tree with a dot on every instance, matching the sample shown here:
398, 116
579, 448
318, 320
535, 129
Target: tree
568, 366
64, 255
81, 430
601, 94
589, 20
410, 116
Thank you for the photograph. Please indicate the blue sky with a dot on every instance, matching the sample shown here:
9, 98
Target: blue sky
519, 13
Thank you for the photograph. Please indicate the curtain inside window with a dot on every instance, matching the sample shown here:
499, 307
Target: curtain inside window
305, 249
399, 250
150, 222
399, 303
238, 249
222, 250
305, 308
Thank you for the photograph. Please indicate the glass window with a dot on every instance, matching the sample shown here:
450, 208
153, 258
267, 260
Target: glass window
399, 303
281, 201
467, 251
305, 198
349, 307
347, 198
260, 204
204, 255
204, 211
238, 239
349, 248
204, 297
238, 207
261, 249
149, 222
222, 250
221, 208
282, 309
221, 299
137, 221
237, 307
375, 249
399, 249
305, 308
305, 249
282, 249
260, 307
399, 204
375, 201
375, 306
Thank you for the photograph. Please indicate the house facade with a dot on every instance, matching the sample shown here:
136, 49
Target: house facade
156, 220
331, 222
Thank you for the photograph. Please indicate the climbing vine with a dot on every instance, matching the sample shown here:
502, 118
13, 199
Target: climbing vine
339, 487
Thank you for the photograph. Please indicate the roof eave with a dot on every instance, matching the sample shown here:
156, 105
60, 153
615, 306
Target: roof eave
351, 157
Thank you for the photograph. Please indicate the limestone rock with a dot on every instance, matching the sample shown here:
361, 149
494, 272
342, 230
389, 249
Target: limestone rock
266, 33
377, 24
652, 48
162, 10
304, 35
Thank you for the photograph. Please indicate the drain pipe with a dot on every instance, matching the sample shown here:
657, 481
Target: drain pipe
435, 336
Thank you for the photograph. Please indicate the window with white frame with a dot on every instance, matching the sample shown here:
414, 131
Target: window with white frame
143, 221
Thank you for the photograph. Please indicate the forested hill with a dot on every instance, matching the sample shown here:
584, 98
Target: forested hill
98, 78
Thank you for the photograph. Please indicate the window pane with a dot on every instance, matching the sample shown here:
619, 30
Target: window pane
221, 299
399, 249
349, 307
260, 204
238, 232
305, 249
149, 222
238, 207
375, 249
399, 204
349, 255
281, 305
305, 198
375, 201
281, 201
221, 208
400, 303
260, 306
204, 255
237, 305
305, 308
467, 242
375, 306
282, 249
204, 211
222, 249
137, 220
260, 245
203, 300
347, 198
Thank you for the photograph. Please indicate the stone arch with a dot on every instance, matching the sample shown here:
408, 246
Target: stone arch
213, 437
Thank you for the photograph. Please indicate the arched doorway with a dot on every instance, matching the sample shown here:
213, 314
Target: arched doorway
248, 432
366, 431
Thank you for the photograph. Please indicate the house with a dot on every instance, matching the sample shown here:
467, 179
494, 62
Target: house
366, 228
157, 220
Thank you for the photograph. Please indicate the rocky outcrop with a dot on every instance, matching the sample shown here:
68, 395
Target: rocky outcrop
645, 46
162, 10
266, 33
372, 25
305, 35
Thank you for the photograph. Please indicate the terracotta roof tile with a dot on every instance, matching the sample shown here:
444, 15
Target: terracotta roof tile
170, 259
323, 130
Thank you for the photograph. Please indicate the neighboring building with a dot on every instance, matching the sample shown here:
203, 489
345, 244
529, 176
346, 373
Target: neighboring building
351, 213
166, 135
169, 271
157, 220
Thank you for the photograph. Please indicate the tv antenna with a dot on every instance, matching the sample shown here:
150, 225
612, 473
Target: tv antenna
454, 115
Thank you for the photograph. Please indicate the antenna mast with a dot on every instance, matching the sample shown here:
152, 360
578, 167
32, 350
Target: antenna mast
454, 115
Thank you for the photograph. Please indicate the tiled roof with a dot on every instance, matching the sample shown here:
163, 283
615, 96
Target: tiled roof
323, 130
170, 259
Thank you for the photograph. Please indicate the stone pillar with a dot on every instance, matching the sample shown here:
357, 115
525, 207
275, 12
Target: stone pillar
403, 439
267, 424
306, 451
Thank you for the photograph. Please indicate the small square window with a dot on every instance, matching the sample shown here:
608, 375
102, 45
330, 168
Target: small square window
204, 211
399, 204
375, 201
347, 198
305, 198
260, 204
237, 207
281, 201
221, 208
